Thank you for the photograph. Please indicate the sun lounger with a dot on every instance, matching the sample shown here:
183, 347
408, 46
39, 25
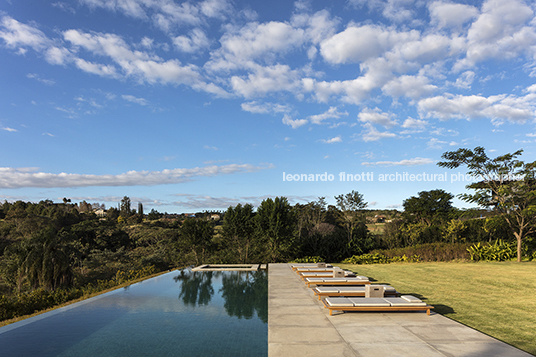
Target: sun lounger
350, 291
403, 303
317, 270
309, 265
358, 280
324, 274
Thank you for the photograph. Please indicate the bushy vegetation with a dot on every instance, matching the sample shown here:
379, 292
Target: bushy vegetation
378, 258
497, 251
54, 252
316, 259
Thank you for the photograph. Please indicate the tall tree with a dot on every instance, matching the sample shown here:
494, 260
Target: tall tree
428, 206
197, 235
504, 184
125, 210
274, 223
239, 229
351, 208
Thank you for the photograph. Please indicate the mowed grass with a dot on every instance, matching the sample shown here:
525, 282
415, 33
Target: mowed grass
496, 298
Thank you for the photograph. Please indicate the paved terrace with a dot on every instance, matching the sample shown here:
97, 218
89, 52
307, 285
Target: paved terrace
299, 325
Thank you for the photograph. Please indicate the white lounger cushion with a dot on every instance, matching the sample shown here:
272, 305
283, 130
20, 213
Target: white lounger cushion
302, 270
351, 289
314, 280
327, 289
339, 302
361, 302
404, 302
335, 280
410, 298
388, 289
308, 265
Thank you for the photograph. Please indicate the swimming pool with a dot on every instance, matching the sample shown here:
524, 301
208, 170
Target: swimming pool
181, 313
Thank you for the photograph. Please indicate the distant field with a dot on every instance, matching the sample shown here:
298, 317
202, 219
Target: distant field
496, 298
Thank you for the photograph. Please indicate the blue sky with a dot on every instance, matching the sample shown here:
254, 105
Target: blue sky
200, 105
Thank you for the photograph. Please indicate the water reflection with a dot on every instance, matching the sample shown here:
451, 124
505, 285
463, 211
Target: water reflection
196, 287
244, 292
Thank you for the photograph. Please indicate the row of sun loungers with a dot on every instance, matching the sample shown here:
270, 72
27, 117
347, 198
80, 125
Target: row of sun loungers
344, 291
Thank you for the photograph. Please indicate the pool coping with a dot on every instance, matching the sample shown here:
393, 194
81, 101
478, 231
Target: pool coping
229, 267
299, 325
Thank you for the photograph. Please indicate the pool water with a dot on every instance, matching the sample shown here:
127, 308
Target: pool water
181, 313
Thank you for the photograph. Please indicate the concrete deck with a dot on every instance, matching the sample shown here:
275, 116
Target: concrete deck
299, 325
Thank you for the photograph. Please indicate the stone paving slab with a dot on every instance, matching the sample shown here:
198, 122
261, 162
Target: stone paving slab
299, 325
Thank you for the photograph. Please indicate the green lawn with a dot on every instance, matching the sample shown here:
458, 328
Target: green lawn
496, 298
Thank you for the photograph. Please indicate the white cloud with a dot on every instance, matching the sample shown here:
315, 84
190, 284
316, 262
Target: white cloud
265, 107
331, 113
406, 162
16, 35
215, 8
376, 116
196, 40
414, 87
497, 108
264, 80
399, 10
140, 65
294, 123
414, 124
8, 129
165, 15
501, 31
133, 99
435, 143
29, 177
465, 80
256, 41
35, 76
372, 134
318, 26
357, 44
444, 132
450, 15
336, 139
197, 202
98, 69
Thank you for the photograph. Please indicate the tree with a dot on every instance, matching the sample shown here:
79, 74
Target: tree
274, 227
42, 260
505, 184
239, 230
125, 207
429, 206
351, 208
197, 235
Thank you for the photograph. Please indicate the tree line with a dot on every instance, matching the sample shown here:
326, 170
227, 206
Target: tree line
52, 246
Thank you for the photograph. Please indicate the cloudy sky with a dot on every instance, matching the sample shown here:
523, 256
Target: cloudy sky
197, 105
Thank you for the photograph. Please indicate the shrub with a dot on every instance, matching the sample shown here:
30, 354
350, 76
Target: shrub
430, 252
313, 259
369, 258
498, 251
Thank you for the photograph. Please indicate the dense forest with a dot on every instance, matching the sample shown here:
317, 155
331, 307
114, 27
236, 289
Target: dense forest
52, 252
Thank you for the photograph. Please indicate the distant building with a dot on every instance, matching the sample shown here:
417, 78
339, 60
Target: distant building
100, 212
